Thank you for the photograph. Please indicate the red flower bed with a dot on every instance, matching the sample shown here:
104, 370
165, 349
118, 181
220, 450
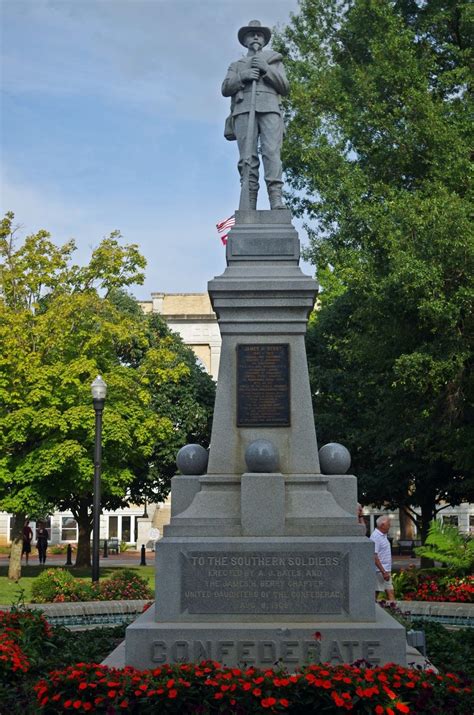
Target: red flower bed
12, 658
22, 638
210, 688
452, 589
16, 623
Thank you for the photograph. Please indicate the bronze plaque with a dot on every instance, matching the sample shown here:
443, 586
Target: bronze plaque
264, 582
263, 385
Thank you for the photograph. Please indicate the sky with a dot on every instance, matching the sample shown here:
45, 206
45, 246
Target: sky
112, 118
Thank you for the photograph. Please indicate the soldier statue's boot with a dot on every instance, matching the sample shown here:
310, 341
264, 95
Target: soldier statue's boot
276, 201
253, 200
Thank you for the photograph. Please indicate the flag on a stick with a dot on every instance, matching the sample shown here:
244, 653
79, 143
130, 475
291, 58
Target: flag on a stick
223, 227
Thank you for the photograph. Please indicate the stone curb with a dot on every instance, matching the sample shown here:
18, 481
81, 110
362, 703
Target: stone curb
78, 608
438, 608
422, 608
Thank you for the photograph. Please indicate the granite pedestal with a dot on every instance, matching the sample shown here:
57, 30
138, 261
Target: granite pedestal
256, 568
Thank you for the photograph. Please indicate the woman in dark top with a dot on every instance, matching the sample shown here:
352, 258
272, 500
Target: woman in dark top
42, 543
27, 537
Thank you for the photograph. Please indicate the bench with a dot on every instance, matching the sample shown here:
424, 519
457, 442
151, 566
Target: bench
113, 545
407, 546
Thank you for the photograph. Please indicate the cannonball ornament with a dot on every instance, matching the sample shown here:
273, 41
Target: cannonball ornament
192, 459
262, 456
334, 458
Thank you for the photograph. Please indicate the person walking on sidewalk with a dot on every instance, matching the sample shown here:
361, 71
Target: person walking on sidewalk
27, 538
42, 543
383, 558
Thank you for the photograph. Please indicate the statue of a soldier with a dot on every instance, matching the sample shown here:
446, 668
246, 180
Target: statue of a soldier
255, 84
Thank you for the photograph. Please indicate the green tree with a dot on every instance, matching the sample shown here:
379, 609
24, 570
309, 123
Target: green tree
377, 153
61, 325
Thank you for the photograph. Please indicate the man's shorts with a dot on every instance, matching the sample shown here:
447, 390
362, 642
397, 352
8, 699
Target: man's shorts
381, 584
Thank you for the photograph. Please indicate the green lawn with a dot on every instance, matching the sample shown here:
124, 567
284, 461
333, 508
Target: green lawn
10, 591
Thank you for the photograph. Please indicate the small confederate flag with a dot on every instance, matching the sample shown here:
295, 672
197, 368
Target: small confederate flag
224, 227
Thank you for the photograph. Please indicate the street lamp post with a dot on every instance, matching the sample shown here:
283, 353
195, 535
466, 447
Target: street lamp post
99, 392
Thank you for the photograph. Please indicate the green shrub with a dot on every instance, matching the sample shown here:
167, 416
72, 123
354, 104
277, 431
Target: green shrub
59, 586
125, 585
450, 651
444, 543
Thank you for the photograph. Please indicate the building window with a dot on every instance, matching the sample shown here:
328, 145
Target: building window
126, 531
122, 527
471, 523
68, 528
451, 520
113, 527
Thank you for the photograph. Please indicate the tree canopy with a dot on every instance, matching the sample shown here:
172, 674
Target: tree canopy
377, 154
60, 325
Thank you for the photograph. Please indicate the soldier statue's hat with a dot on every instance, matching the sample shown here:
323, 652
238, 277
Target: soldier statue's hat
253, 26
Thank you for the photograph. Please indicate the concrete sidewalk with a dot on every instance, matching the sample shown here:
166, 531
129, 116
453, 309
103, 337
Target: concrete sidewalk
127, 558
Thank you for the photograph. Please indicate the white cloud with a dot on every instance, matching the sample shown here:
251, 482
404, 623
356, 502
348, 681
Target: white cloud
165, 61
164, 55
183, 251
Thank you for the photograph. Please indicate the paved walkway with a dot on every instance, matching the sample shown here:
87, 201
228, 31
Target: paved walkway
127, 558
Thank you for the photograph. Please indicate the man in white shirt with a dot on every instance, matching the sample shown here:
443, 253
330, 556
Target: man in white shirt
383, 558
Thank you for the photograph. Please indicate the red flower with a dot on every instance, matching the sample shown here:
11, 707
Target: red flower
401, 707
268, 702
379, 710
172, 693
284, 702
339, 701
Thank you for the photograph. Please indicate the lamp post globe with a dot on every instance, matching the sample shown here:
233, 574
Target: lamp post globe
99, 389
99, 393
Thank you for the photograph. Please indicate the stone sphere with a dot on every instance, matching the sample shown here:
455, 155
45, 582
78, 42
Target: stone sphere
262, 456
192, 459
334, 458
